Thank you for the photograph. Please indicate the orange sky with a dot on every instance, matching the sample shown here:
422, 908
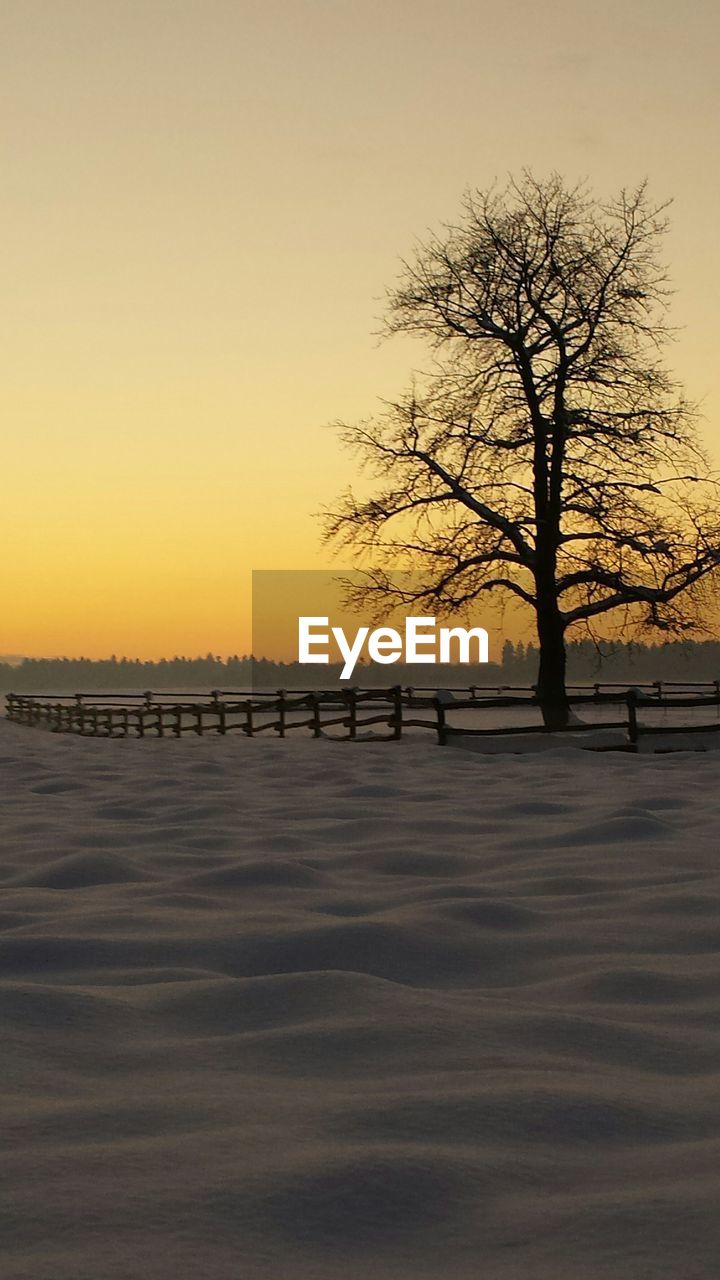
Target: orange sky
203, 202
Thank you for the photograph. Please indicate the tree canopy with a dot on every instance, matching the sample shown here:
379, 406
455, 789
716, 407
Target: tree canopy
549, 453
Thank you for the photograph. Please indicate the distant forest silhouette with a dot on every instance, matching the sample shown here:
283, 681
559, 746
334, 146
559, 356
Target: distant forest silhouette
631, 662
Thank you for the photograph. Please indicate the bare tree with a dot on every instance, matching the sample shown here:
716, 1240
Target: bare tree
550, 455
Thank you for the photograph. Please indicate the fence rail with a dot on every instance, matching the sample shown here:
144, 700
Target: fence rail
354, 713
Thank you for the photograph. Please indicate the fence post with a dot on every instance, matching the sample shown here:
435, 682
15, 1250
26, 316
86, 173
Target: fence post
632, 716
249, 718
351, 695
219, 709
281, 712
441, 723
397, 712
177, 726
315, 722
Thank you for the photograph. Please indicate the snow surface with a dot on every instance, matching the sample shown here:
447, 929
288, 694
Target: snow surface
306, 1010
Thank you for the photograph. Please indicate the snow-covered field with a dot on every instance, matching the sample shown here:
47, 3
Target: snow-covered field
307, 1011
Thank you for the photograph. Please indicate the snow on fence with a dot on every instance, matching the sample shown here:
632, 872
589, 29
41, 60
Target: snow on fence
361, 713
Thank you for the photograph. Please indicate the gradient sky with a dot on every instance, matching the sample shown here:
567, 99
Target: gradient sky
203, 203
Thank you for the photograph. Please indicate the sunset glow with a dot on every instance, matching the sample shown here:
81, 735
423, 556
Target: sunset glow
203, 205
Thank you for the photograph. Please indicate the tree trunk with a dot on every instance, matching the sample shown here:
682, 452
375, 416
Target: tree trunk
551, 691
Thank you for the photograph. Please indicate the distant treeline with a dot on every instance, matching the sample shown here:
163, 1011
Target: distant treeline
631, 662
617, 661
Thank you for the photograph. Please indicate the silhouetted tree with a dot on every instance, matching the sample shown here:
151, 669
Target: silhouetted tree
550, 455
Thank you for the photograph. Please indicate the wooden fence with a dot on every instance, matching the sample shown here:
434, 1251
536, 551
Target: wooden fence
357, 713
